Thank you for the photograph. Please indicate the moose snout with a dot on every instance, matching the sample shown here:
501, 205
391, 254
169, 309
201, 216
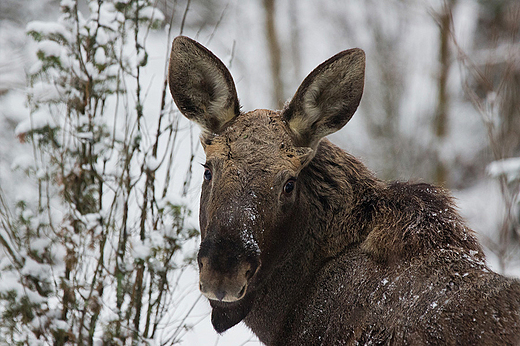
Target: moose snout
224, 287
225, 275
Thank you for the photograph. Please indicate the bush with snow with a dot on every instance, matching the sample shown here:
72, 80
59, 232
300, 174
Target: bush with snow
94, 259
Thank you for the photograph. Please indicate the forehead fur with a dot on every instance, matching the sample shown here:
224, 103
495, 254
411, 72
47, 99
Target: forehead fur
255, 138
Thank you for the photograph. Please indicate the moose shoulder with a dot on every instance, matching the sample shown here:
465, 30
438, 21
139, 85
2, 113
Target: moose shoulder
306, 246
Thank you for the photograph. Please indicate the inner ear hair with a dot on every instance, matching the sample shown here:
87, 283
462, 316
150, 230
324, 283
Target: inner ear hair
201, 85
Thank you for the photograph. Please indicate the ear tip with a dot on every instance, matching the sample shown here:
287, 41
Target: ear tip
358, 51
355, 51
179, 41
181, 38
355, 54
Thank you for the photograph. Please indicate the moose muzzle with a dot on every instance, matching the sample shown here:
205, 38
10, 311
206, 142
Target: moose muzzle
226, 267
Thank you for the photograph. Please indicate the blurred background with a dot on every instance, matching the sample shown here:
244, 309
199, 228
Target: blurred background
441, 101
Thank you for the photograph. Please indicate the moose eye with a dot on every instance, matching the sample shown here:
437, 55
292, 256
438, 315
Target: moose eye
207, 174
289, 186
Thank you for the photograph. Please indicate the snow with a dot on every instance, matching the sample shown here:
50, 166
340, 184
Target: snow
60, 324
23, 162
510, 168
35, 68
49, 48
35, 269
152, 163
8, 284
39, 245
100, 57
48, 29
38, 120
85, 135
43, 91
102, 37
141, 250
68, 3
152, 13
108, 16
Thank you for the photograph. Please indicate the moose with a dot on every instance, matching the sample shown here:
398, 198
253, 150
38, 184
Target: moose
305, 245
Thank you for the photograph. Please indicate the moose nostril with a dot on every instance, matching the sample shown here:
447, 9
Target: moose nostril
203, 262
242, 292
220, 295
251, 271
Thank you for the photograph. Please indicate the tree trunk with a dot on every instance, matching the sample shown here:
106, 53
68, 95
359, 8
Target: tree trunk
440, 125
274, 53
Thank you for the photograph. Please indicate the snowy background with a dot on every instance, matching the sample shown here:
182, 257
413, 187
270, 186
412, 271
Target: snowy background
441, 100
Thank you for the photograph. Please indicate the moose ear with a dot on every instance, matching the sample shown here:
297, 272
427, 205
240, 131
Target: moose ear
201, 85
327, 98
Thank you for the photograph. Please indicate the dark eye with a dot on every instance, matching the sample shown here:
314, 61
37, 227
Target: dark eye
207, 174
289, 186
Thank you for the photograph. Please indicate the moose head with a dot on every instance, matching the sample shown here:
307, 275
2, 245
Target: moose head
250, 201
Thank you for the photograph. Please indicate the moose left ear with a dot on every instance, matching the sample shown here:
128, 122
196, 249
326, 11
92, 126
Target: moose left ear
327, 98
201, 85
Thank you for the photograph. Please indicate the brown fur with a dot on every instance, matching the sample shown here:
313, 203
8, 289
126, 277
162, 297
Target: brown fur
344, 258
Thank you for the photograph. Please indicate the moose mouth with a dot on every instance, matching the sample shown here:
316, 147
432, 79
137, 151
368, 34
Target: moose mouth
222, 295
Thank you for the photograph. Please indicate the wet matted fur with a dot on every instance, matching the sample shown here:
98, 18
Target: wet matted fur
306, 246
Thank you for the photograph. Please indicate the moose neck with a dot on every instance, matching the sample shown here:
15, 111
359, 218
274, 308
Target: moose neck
341, 192
328, 222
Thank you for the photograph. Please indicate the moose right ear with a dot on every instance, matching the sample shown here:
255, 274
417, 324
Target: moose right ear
201, 85
327, 98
